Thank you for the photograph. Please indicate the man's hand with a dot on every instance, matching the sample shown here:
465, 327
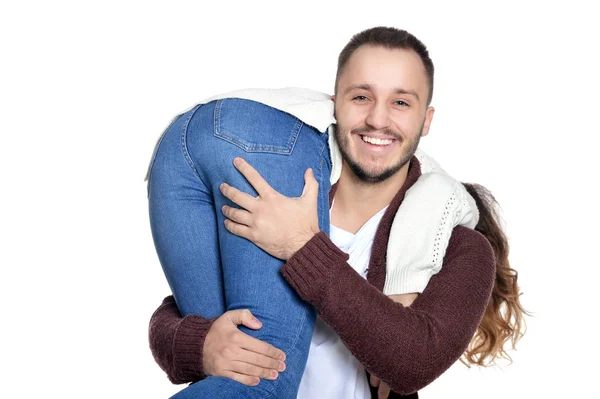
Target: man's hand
384, 389
230, 353
277, 224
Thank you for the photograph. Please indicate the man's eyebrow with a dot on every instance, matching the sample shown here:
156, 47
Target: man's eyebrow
368, 87
354, 87
409, 92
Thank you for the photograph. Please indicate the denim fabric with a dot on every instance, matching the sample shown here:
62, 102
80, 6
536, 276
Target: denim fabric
211, 270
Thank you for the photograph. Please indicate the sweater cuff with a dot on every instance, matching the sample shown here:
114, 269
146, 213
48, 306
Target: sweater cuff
309, 269
188, 347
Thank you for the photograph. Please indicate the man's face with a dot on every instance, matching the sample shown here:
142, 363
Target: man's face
381, 111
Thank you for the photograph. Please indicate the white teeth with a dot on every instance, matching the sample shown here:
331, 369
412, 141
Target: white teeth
373, 140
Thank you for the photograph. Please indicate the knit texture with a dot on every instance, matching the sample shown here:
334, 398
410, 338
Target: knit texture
177, 342
421, 230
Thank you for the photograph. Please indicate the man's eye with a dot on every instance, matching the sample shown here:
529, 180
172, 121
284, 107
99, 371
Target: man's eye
401, 103
360, 98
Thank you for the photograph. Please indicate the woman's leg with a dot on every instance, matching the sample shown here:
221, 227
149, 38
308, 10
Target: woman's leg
281, 148
184, 227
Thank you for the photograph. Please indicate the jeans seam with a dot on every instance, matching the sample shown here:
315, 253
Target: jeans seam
297, 128
156, 147
184, 148
324, 200
293, 346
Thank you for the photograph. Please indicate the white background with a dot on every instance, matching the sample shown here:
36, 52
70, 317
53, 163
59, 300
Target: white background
87, 87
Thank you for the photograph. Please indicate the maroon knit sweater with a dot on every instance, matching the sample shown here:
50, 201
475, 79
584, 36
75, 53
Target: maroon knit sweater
407, 347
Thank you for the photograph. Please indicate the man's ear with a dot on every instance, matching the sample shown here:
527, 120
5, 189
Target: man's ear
428, 118
333, 99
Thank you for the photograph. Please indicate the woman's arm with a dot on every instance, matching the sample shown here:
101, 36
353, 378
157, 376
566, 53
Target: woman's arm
407, 347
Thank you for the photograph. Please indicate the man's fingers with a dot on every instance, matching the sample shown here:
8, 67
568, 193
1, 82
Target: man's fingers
254, 371
255, 345
245, 341
239, 230
238, 197
240, 216
244, 379
254, 178
261, 361
384, 391
245, 317
374, 381
311, 185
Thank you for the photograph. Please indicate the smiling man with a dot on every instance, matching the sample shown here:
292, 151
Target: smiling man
382, 111
426, 319
388, 119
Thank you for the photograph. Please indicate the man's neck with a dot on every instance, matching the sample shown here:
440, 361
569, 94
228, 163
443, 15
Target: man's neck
357, 201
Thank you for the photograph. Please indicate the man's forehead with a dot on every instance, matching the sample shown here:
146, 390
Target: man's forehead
367, 54
377, 68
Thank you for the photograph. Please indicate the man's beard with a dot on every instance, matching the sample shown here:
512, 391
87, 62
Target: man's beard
362, 174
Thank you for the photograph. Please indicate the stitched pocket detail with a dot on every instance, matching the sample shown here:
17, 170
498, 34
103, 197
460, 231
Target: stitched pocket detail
255, 127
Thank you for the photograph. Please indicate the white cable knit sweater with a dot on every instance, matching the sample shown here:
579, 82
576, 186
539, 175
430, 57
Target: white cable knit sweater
431, 209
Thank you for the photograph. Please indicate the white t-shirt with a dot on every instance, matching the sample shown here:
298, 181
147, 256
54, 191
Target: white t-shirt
332, 372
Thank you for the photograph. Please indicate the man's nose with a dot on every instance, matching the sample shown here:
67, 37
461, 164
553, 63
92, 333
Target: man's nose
378, 116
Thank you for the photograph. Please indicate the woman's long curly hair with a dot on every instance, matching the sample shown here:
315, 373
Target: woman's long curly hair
503, 320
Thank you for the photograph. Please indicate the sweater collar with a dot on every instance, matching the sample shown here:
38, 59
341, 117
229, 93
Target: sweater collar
377, 264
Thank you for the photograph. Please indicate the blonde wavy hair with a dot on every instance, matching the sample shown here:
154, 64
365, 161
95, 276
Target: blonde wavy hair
504, 318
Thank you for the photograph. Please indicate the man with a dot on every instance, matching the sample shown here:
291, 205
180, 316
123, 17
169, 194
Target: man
383, 90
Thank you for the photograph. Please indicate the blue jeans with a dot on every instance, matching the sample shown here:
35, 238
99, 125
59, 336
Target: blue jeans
211, 270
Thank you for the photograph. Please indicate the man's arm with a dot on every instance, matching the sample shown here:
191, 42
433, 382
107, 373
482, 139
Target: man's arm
176, 342
406, 347
192, 347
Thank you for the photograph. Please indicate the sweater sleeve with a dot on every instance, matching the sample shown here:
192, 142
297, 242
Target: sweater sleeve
177, 342
407, 347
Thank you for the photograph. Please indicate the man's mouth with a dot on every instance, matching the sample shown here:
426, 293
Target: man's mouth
376, 141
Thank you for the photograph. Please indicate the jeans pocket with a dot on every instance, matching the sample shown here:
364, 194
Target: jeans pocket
255, 127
